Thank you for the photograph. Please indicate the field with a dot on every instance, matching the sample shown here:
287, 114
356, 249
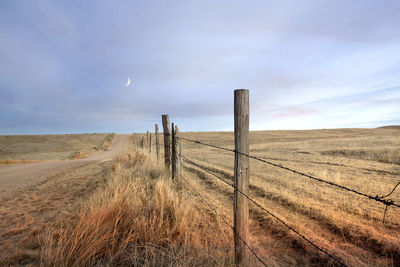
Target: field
129, 212
346, 225
25, 148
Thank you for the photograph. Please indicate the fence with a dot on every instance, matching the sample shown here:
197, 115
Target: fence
173, 161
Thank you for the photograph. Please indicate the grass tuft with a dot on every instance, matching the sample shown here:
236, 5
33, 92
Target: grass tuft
136, 217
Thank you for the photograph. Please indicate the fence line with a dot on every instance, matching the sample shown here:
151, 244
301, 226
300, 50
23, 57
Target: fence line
265, 210
241, 178
387, 202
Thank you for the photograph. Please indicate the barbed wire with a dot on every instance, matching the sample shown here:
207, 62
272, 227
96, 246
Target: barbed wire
392, 190
223, 219
386, 208
265, 210
387, 202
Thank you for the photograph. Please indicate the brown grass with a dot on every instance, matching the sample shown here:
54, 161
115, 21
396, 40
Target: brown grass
138, 217
347, 226
26, 214
132, 214
51, 147
78, 155
106, 143
387, 155
16, 161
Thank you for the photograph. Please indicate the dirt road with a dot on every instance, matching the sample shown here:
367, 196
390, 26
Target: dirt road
17, 176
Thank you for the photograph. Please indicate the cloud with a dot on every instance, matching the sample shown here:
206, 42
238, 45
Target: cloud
64, 64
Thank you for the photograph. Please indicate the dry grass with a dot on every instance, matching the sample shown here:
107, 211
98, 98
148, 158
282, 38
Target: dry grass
51, 147
138, 217
78, 155
386, 155
106, 143
348, 226
132, 214
16, 161
26, 214
105, 146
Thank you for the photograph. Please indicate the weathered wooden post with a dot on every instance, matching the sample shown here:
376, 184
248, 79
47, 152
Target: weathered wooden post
175, 151
173, 148
241, 173
150, 144
142, 142
157, 144
180, 153
147, 140
167, 141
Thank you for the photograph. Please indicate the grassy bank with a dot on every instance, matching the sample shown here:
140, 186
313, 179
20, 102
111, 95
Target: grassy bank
138, 216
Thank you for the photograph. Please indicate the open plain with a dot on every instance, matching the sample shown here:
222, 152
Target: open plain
133, 213
343, 223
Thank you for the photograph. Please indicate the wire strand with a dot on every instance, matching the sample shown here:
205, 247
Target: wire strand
265, 210
387, 202
392, 190
223, 219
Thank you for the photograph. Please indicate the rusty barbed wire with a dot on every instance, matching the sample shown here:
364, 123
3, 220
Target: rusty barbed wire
265, 210
381, 199
223, 219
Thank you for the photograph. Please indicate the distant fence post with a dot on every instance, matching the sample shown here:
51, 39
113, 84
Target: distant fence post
157, 144
180, 153
147, 140
173, 148
167, 141
175, 151
150, 144
241, 173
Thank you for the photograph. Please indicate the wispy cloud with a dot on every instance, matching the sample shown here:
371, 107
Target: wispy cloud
310, 65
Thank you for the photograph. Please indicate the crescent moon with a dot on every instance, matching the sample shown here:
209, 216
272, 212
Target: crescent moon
128, 83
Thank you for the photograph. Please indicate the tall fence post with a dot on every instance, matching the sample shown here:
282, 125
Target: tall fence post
175, 151
241, 173
157, 144
167, 141
142, 142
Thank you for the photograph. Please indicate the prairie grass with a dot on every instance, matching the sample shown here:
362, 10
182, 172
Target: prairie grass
133, 214
78, 155
106, 143
51, 147
27, 213
16, 161
346, 225
386, 155
138, 217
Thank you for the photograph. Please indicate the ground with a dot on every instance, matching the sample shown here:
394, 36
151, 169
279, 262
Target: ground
347, 226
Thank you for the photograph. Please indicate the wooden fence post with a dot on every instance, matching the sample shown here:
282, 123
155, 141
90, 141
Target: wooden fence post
147, 140
157, 144
150, 144
167, 141
175, 151
142, 142
241, 173
180, 153
172, 148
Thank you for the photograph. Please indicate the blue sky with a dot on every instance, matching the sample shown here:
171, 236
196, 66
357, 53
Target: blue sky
308, 64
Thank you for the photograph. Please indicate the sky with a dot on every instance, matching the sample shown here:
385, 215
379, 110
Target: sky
307, 64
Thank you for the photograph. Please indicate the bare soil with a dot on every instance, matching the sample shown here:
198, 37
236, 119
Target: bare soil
17, 176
